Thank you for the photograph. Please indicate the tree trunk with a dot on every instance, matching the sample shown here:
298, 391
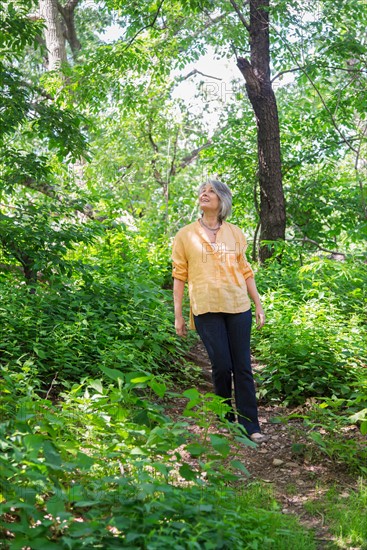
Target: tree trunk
262, 98
67, 13
55, 41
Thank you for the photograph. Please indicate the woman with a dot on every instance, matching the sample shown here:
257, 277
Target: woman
210, 255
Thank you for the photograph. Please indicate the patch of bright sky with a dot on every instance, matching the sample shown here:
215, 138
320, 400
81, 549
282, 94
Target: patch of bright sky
206, 92
114, 32
209, 88
214, 86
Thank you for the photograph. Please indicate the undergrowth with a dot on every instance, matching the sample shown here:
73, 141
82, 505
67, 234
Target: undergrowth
313, 348
345, 514
112, 312
105, 467
313, 343
89, 457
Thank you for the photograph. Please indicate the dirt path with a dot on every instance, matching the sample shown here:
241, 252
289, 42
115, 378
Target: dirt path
289, 462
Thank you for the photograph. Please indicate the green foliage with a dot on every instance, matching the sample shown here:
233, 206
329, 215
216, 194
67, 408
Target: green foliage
38, 237
140, 157
313, 344
17, 29
37, 133
105, 467
337, 427
313, 349
32, 123
109, 314
345, 514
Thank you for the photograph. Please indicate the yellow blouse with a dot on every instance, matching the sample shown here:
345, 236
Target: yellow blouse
216, 272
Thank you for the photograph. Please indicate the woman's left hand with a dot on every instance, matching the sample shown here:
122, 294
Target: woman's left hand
260, 316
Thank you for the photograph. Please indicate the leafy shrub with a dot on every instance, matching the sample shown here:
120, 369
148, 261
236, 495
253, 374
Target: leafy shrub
334, 425
104, 468
313, 343
112, 313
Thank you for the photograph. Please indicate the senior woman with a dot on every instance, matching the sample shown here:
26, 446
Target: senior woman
210, 255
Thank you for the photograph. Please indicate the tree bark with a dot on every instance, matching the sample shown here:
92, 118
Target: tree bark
55, 41
261, 95
67, 13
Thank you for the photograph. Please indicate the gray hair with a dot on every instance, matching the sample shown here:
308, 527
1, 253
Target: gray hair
224, 194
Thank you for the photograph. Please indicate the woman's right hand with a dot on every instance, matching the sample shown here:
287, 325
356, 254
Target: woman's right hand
180, 326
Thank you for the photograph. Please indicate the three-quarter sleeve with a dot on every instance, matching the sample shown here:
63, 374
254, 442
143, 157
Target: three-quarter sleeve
179, 259
244, 265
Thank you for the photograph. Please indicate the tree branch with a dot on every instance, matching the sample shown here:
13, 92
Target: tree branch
357, 171
34, 17
50, 191
172, 170
150, 137
350, 70
311, 157
285, 72
195, 71
304, 67
44, 188
206, 26
71, 4
11, 267
344, 139
150, 25
194, 154
69, 30
304, 70
51, 385
240, 15
254, 246
157, 174
315, 243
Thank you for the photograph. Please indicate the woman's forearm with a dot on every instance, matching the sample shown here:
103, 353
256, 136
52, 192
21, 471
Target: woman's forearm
254, 295
252, 291
178, 292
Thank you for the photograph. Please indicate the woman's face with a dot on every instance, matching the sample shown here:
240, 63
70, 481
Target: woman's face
208, 200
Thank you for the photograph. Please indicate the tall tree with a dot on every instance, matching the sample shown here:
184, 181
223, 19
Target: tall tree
38, 137
256, 72
55, 41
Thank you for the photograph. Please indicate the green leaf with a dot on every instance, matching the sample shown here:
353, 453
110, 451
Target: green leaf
360, 415
192, 394
55, 506
34, 443
204, 508
187, 473
84, 461
112, 373
158, 387
196, 449
86, 503
238, 465
142, 418
220, 444
52, 456
96, 385
317, 438
140, 379
137, 451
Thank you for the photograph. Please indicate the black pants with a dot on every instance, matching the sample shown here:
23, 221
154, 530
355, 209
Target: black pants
226, 337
